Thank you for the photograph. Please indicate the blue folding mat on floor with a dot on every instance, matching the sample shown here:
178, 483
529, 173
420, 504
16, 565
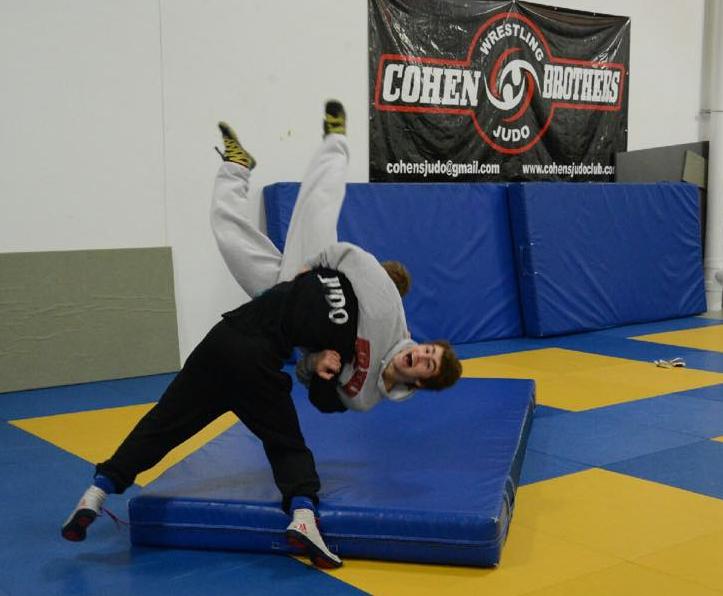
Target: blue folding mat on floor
592, 256
455, 239
430, 480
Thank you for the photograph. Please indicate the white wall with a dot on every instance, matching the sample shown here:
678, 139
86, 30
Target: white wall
668, 70
108, 113
266, 67
81, 145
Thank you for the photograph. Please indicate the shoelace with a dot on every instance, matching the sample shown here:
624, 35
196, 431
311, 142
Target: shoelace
235, 154
674, 363
335, 124
119, 523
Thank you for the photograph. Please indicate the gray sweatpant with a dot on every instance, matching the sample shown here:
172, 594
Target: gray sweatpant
252, 258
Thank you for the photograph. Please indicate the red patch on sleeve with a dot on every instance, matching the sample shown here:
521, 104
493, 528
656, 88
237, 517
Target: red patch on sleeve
362, 357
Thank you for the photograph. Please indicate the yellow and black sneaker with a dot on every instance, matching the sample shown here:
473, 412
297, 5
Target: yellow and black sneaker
334, 118
233, 151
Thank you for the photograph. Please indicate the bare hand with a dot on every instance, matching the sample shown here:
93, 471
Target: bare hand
328, 364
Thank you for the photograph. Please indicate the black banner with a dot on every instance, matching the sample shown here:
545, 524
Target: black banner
480, 91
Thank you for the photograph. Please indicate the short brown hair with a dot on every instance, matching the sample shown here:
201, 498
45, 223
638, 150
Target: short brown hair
399, 274
450, 368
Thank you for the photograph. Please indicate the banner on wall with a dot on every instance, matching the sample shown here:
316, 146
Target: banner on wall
479, 91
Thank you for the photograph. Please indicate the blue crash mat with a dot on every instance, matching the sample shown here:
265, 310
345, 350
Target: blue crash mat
430, 480
593, 256
455, 240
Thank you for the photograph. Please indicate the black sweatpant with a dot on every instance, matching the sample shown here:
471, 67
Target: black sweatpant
232, 369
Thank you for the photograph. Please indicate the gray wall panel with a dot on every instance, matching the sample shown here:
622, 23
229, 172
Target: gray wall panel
77, 316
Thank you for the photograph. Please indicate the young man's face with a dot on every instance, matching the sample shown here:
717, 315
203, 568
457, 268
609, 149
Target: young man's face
418, 362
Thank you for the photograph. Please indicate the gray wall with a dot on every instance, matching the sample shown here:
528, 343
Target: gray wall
75, 316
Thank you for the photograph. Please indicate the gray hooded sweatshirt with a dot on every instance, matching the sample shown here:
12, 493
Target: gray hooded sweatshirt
381, 331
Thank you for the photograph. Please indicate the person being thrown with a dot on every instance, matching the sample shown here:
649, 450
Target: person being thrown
387, 363
238, 365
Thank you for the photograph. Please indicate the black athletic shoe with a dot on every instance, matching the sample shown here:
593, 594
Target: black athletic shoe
233, 151
84, 514
334, 118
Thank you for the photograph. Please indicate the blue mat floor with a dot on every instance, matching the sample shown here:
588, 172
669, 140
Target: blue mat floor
665, 439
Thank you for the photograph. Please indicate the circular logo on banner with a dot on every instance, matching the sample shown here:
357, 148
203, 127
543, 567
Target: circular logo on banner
510, 84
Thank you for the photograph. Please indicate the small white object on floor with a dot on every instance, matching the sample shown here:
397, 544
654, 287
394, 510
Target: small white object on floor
674, 363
